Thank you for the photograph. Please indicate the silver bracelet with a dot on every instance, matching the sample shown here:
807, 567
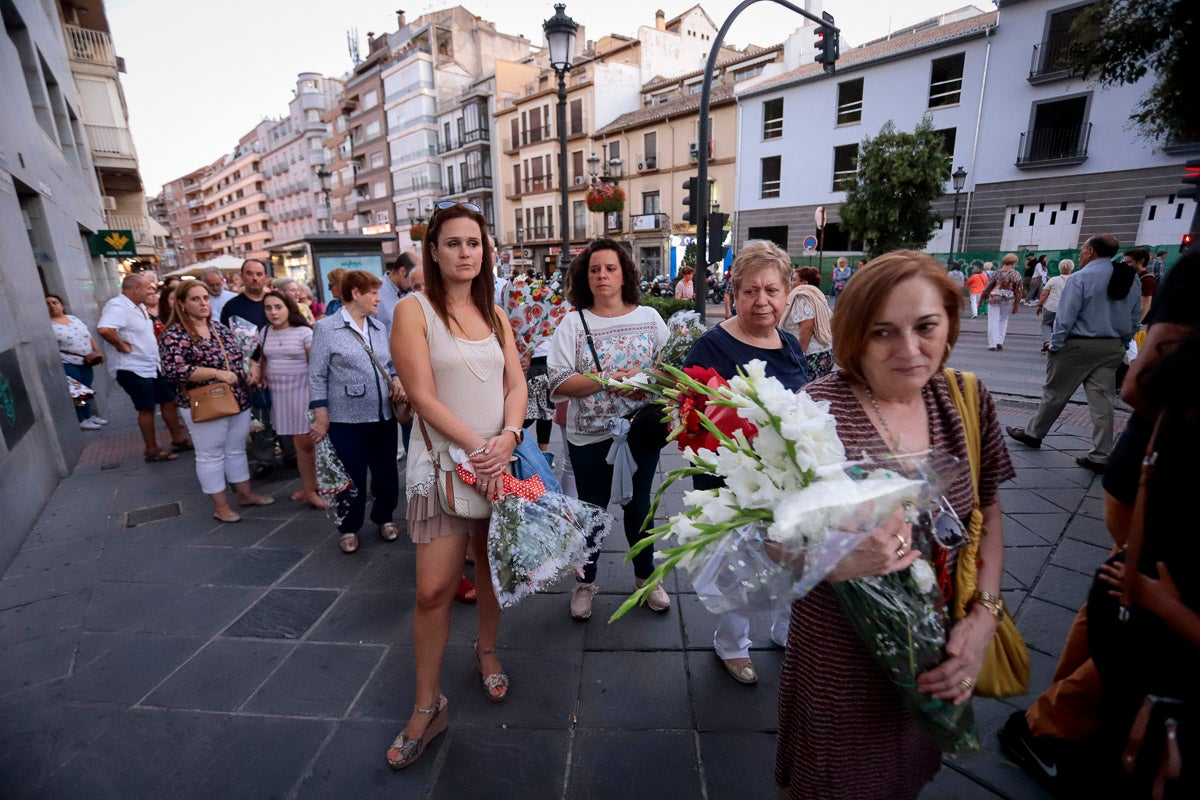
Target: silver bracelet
476, 451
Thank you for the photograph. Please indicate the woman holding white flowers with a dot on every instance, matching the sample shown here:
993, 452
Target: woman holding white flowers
842, 729
610, 335
760, 275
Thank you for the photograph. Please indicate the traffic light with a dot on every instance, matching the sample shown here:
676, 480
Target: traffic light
828, 46
1190, 179
716, 237
1186, 242
693, 202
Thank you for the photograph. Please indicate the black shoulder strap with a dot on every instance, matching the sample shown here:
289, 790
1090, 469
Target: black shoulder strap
587, 332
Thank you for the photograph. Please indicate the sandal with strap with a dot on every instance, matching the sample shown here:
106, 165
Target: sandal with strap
495, 685
404, 751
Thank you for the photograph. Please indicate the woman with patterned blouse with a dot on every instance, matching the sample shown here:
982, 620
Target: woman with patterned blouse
602, 285
197, 350
1003, 293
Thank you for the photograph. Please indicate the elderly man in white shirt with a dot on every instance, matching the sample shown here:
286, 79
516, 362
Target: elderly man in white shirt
133, 360
215, 281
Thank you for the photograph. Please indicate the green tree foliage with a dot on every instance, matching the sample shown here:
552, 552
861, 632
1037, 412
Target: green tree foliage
890, 204
689, 255
1121, 41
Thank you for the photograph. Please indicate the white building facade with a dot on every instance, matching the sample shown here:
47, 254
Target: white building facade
1050, 158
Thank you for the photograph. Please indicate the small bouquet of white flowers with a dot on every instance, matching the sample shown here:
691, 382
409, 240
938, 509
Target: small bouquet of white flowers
791, 507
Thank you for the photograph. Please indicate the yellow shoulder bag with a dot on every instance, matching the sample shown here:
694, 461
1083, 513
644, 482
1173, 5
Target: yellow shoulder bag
1005, 670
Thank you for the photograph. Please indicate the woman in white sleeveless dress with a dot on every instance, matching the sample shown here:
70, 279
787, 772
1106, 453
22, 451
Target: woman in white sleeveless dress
455, 353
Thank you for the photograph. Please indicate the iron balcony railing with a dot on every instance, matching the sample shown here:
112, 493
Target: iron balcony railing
1053, 57
468, 137
1042, 145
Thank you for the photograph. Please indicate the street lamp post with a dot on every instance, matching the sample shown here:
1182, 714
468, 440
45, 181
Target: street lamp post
323, 175
560, 39
960, 180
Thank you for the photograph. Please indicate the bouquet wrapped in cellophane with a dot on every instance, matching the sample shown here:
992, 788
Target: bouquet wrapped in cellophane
791, 507
333, 482
683, 329
535, 537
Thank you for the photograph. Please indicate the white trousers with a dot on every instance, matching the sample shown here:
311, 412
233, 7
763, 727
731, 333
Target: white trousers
975, 304
998, 314
732, 637
220, 449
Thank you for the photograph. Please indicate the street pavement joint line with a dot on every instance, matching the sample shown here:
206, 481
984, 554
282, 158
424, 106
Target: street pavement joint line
362, 687
978, 780
1061, 537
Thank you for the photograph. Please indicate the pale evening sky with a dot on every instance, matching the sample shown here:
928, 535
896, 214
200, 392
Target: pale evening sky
200, 75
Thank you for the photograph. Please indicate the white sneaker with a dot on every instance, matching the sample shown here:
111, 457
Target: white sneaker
90, 425
99, 420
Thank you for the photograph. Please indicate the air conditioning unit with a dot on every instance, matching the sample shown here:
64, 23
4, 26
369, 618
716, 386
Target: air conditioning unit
579, 180
109, 203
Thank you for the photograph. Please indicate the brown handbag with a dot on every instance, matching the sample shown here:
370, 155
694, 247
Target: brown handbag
213, 400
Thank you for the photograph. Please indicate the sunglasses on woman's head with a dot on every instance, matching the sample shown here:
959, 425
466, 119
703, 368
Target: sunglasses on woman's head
442, 205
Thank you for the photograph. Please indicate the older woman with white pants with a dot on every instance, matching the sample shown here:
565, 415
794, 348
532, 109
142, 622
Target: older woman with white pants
197, 351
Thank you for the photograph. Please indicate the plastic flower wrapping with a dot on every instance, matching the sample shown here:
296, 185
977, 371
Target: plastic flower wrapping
683, 329
245, 333
536, 537
791, 507
333, 482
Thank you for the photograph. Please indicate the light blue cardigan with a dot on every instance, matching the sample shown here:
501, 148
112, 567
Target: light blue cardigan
341, 375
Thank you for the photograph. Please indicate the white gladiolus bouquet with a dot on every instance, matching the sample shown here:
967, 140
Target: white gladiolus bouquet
791, 507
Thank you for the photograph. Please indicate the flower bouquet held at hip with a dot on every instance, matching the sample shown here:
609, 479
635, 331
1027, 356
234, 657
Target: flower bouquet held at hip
791, 508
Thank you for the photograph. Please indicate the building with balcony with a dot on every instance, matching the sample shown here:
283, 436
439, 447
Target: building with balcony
50, 205
233, 197
295, 151
437, 84
664, 133
525, 123
183, 207
96, 69
361, 181
1041, 173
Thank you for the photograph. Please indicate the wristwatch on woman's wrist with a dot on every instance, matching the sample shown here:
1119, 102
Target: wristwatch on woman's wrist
518, 433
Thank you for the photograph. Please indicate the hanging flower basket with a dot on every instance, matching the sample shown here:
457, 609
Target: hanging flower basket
417, 232
605, 198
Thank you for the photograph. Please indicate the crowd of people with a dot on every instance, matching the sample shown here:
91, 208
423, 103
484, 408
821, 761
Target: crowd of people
473, 363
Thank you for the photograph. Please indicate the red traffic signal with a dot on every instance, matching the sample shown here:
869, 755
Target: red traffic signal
1190, 179
827, 43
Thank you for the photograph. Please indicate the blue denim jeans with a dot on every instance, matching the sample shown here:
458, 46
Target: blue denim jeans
593, 480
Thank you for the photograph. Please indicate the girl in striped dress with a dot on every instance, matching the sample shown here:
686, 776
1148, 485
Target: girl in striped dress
282, 366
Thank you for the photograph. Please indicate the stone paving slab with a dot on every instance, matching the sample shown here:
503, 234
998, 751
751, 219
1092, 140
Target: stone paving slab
188, 658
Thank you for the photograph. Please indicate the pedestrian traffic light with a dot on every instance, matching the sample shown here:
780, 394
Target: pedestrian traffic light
716, 237
828, 46
1186, 242
693, 202
1190, 179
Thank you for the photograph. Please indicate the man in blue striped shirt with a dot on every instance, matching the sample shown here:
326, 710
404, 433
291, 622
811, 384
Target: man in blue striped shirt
1097, 316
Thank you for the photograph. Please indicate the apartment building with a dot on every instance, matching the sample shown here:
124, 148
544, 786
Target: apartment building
49, 208
361, 180
233, 194
664, 133
295, 152
1042, 171
622, 65
183, 207
96, 68
435, 61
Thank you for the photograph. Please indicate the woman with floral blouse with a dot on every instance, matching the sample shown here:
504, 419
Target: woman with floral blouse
197, 350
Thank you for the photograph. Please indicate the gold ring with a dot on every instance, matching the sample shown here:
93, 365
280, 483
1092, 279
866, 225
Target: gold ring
901, 551
903, 542
967, 683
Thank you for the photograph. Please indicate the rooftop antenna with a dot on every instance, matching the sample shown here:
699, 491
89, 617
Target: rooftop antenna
352, 44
